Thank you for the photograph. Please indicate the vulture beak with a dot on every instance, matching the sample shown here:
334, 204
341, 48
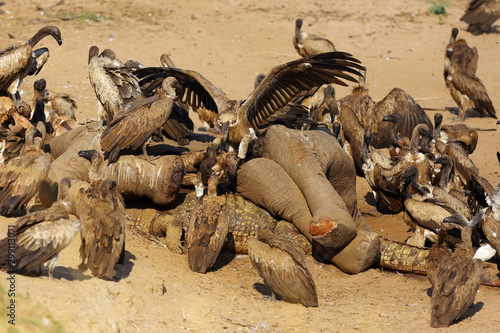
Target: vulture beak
41, 56
223, 134
38, 133
387, 118
439, 160
427, 134
225, 131
87, 154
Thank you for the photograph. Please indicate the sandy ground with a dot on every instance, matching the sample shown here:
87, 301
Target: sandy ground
230, 42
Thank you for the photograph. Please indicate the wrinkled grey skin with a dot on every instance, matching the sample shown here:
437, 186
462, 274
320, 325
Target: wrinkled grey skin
135, 177
286, 181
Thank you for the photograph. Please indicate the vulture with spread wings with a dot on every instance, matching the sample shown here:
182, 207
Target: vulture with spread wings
239, 120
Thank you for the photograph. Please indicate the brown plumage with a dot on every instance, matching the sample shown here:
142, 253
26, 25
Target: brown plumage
18, 61
464, 166
179, 124
467, 90
464, 57
320, 102
491, 222
135, 125
385, 188
40, 236
21, 177
282, 265
103, 228
457, 132
239, 120
480, 15
371, 115
438, 253
460, 132
448, 188
309, 44
13, 127
62, 104
411, 157
425, 213
102, 214
207, 231
456, 283
113, 83
209, 223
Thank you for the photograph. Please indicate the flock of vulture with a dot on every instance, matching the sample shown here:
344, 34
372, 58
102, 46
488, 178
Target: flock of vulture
63, 178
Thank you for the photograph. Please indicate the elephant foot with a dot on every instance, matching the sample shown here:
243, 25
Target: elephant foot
332, 234
358, 256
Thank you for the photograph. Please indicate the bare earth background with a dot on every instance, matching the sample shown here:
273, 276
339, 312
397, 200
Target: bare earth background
230, 42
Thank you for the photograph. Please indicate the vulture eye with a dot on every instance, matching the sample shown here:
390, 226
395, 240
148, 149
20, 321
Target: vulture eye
219, 123
233, 122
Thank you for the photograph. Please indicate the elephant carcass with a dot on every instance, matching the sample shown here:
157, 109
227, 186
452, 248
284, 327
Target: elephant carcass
296, 188
135, 177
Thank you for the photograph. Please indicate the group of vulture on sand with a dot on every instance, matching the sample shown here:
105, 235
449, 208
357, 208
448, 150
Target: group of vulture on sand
275, 175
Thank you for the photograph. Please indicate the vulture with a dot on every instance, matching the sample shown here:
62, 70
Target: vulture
40, 236
22, 176
371, 114
437, 253
467, 90
113, 83
464, 57
62, 104
101, 210
238, 120
19, 61
133, 127
208, 227
309, 44
218, 168
456, 283
480, 15
282, 265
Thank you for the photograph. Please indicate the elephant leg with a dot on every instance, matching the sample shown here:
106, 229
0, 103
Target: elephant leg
332, 225
266, 184
358, 256
340, 171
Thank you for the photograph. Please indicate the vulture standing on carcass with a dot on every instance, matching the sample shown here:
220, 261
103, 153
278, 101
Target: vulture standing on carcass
238, 121
133, 127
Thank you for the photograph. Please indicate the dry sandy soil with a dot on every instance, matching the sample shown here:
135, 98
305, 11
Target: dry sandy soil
230, 41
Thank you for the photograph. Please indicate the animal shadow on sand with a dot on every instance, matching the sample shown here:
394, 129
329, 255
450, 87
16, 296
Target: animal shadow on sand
72, 274
265, 290
378, 208
468, 114
224, 258
123, 270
